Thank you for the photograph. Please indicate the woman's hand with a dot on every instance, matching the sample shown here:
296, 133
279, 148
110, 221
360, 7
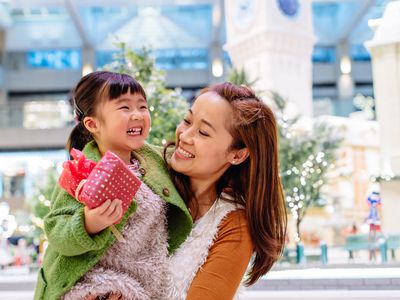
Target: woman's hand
99, 218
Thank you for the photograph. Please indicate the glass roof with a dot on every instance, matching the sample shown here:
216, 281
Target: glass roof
75, 23
345, 21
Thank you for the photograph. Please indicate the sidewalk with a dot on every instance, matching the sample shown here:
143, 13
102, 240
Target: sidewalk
265, 295
329, 283
342, 278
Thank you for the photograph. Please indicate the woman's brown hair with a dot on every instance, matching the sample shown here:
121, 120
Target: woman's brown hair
255, 183
88, 94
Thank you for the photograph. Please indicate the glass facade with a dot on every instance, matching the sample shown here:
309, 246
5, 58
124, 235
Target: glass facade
54, 59
324, 54
359, 53
21, 172
167, 59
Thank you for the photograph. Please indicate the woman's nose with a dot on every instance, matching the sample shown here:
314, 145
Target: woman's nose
186, 136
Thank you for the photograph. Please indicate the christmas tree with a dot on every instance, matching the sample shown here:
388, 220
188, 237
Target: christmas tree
306, 155
39, 203
167, 107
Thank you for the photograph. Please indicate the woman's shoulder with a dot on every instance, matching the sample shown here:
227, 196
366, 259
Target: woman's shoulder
235, 227
233, 237
234, 219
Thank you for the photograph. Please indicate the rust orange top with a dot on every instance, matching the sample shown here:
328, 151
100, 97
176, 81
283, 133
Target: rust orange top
226, 263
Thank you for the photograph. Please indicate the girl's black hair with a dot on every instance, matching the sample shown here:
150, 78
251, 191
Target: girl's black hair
90, 91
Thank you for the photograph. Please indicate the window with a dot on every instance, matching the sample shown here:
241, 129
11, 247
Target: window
54, 59
322, 54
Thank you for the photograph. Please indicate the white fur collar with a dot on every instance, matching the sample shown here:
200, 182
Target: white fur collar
192, 254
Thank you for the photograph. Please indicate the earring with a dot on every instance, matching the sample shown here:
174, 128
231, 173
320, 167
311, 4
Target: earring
233, 162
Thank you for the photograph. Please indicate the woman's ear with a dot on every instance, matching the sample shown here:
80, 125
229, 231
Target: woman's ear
91, 124
239, 156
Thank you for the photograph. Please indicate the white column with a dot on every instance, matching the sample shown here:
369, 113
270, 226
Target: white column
345, 83
88, 60
217, 67
385, 53
3, 90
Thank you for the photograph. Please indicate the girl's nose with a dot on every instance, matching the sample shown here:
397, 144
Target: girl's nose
136, 116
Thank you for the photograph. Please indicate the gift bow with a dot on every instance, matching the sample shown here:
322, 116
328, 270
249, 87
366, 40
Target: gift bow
75, 172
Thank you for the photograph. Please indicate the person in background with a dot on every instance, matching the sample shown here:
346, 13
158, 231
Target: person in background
225, 166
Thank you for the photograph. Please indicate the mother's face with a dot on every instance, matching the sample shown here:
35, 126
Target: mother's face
203, 139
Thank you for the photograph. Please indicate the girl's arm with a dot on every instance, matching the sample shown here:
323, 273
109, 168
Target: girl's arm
222, 273
65, 229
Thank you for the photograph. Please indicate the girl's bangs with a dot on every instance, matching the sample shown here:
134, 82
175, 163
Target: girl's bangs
120, 84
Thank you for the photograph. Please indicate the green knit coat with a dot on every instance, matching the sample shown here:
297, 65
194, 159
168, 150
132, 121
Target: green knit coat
72, 252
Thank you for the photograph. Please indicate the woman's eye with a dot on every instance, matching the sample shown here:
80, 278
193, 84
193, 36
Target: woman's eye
143, 107
186, 121
124, 107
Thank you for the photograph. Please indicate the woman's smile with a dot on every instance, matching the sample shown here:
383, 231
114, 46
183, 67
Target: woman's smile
183, 154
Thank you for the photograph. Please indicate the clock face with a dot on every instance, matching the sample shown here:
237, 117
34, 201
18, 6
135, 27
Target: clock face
289, 7
243, 12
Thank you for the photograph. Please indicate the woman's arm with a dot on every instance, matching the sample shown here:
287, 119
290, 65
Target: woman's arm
226, 263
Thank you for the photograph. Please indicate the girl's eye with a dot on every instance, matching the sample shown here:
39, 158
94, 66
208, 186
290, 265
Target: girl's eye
186, 121
203, 133
143, 107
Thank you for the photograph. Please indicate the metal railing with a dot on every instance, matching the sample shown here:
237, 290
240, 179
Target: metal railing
35, 114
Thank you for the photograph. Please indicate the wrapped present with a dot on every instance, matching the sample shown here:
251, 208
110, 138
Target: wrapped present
92, 184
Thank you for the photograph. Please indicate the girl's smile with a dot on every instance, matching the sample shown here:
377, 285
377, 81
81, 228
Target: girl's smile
123, 125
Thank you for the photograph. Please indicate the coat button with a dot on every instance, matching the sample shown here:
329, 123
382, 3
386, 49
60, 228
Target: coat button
142, 171
166, 192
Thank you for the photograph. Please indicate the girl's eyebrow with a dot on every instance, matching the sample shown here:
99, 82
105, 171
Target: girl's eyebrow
123, 99
204, 121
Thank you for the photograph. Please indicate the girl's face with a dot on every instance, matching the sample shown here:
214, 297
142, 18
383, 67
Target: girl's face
123, 125
203, 139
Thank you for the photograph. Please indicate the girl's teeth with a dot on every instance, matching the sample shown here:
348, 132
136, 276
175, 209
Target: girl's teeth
134, 131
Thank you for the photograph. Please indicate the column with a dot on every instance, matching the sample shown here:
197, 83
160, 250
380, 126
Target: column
216, 55
385, 54
3, 90
88, 60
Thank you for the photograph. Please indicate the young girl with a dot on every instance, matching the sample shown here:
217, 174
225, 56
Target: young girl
84, 260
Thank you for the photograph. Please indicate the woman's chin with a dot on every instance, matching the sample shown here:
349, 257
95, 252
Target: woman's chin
177, 163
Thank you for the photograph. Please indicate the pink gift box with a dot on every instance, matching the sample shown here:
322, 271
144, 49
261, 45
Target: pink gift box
92, 184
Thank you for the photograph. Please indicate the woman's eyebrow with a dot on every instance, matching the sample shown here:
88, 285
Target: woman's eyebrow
205, 122
208, 124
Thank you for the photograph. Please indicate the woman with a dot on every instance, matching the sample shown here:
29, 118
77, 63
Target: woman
225, 165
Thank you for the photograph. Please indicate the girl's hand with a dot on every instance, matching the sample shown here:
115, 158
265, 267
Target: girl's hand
99, 218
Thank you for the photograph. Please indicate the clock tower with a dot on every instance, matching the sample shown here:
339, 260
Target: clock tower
273, 41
